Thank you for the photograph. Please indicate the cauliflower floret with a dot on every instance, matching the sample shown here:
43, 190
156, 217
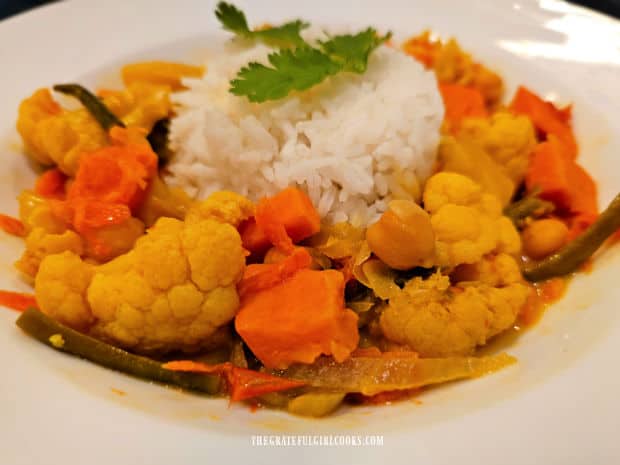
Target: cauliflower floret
467, 222
453, 65
464, 156
225, 206
507, 138
439, 320
54, 136
141, 104
41, 243
174, 291
61, 285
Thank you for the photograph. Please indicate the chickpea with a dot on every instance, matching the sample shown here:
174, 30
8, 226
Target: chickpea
403, 237
544, 237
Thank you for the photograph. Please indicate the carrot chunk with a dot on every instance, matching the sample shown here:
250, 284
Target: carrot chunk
548, 173
287, 217
17, 301
462, 102
245, 384
578, 223
51, 184
253, 237
559, 179
12, 225
242, 383
298, 320
259, 277
110, 183
584, 198
546, 117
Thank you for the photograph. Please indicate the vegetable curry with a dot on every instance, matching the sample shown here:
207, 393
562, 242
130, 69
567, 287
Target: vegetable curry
133, 274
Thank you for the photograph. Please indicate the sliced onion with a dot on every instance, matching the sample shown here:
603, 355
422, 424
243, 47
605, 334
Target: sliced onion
396, 371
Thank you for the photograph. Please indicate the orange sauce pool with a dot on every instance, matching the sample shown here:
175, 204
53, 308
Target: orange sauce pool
542, 296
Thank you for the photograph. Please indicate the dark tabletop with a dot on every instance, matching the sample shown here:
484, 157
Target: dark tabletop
11, 7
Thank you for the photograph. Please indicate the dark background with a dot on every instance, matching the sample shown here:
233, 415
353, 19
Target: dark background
11, 7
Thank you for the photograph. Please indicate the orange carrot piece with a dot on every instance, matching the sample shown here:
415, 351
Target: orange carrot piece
578, 223
298, 320
93, 214
547, 173
462, 102
112, 174
253, 237
51, 184
245, 384
584, 198
422, 48
242, 382
195, 367
287, 217
546, 117
268, 220
259, 277
12, 226
109, 184
17, 300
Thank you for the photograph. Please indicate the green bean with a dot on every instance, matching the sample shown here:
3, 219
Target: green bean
93, 104
60, 337
527, 206
572, 256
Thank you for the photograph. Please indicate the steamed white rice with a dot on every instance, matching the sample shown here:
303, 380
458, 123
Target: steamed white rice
352, 143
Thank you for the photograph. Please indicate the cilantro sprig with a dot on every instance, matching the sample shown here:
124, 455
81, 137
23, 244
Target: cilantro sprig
233, 20
298, 68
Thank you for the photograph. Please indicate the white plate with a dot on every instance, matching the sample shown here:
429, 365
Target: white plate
558, 406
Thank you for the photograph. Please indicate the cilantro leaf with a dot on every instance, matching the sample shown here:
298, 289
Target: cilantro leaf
297, 69
285, 35
234, 20
352, 50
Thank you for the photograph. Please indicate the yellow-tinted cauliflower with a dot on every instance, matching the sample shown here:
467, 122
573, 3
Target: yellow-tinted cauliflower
467, 222
506, 137
458, 154
455, 66
46, 234
41, 243
61, 285
225, 206
173, 291
55, 136
437, 319
141, 104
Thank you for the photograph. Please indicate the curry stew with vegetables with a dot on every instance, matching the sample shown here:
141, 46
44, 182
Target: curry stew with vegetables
304, 314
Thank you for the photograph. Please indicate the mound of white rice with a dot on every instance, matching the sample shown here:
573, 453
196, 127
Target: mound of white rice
352, 143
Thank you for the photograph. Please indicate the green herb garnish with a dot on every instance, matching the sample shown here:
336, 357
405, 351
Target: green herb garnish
298, 68
351, 51
233, 20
